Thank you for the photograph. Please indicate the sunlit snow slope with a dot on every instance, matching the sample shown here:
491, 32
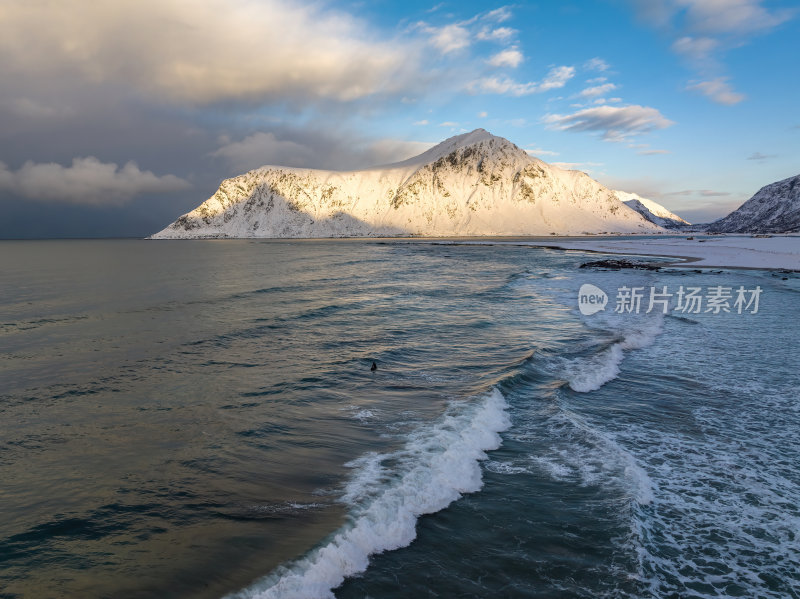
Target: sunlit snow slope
468, 185
652, 211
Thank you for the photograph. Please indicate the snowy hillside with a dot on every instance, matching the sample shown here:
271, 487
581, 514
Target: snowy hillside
775, 208
471, 184
652, 211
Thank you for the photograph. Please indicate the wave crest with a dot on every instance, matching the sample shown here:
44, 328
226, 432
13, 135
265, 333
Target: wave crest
438, 464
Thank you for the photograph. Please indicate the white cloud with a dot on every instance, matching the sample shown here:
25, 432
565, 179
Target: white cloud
731, 16
704, 29
460, 35
422, 122
556, 78
719, 90
597, 90
483, 114
695, 48
584, 166
596, 64
87, 181
652, 152
616, 123
712, 16
539, 152
604, 101
448, 124
498, 34
200, 53
449, 38
507, 58
499, 15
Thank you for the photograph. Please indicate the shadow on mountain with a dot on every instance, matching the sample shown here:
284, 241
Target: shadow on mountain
268, 214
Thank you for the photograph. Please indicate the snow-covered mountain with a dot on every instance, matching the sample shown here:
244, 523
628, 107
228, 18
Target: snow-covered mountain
774, 209
470, 184
652, 211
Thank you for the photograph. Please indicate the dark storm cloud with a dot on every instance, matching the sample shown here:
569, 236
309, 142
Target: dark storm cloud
152, 103
312, 147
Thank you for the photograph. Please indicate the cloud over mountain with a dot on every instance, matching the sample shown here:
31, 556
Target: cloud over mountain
614, 122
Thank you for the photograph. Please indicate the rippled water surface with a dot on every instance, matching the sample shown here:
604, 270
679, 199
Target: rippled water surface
199, 419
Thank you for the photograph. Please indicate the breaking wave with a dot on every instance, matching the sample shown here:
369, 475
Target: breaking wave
389, 492
589, 373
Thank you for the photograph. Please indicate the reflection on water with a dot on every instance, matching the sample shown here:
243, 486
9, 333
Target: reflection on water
178, 419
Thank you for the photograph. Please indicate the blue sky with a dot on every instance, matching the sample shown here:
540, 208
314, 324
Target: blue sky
116, 118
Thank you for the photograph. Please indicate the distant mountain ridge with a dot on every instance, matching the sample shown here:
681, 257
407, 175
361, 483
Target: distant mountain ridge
473, 184
652, 211
775, 208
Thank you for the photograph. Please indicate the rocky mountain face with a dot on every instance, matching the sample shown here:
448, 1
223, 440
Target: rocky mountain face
469, 185
775, 208
652, 211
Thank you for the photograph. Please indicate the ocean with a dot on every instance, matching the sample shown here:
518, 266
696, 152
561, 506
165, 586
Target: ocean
200, 419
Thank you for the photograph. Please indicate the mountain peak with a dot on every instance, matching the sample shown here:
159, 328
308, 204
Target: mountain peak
775, 208
467, 139
474, 183
451, 144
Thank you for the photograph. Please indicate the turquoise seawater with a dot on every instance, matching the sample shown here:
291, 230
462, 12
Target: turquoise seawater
200, 419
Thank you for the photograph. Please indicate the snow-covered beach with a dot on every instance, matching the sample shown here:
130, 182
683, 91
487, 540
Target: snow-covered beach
778, 252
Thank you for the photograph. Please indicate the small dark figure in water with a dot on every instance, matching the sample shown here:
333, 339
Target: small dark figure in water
374, 367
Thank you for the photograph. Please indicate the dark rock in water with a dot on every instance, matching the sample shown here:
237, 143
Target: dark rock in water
374, 367
619, 264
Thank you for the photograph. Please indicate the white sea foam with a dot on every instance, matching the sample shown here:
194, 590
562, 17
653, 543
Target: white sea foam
361, 414
590, 457
506, 468
727, 504
589, 373
438, 464
631, 331
287, 507
364, 415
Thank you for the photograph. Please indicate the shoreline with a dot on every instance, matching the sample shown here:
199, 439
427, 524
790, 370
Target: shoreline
779, 253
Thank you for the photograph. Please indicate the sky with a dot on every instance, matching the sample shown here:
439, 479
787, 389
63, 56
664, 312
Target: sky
117, 117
